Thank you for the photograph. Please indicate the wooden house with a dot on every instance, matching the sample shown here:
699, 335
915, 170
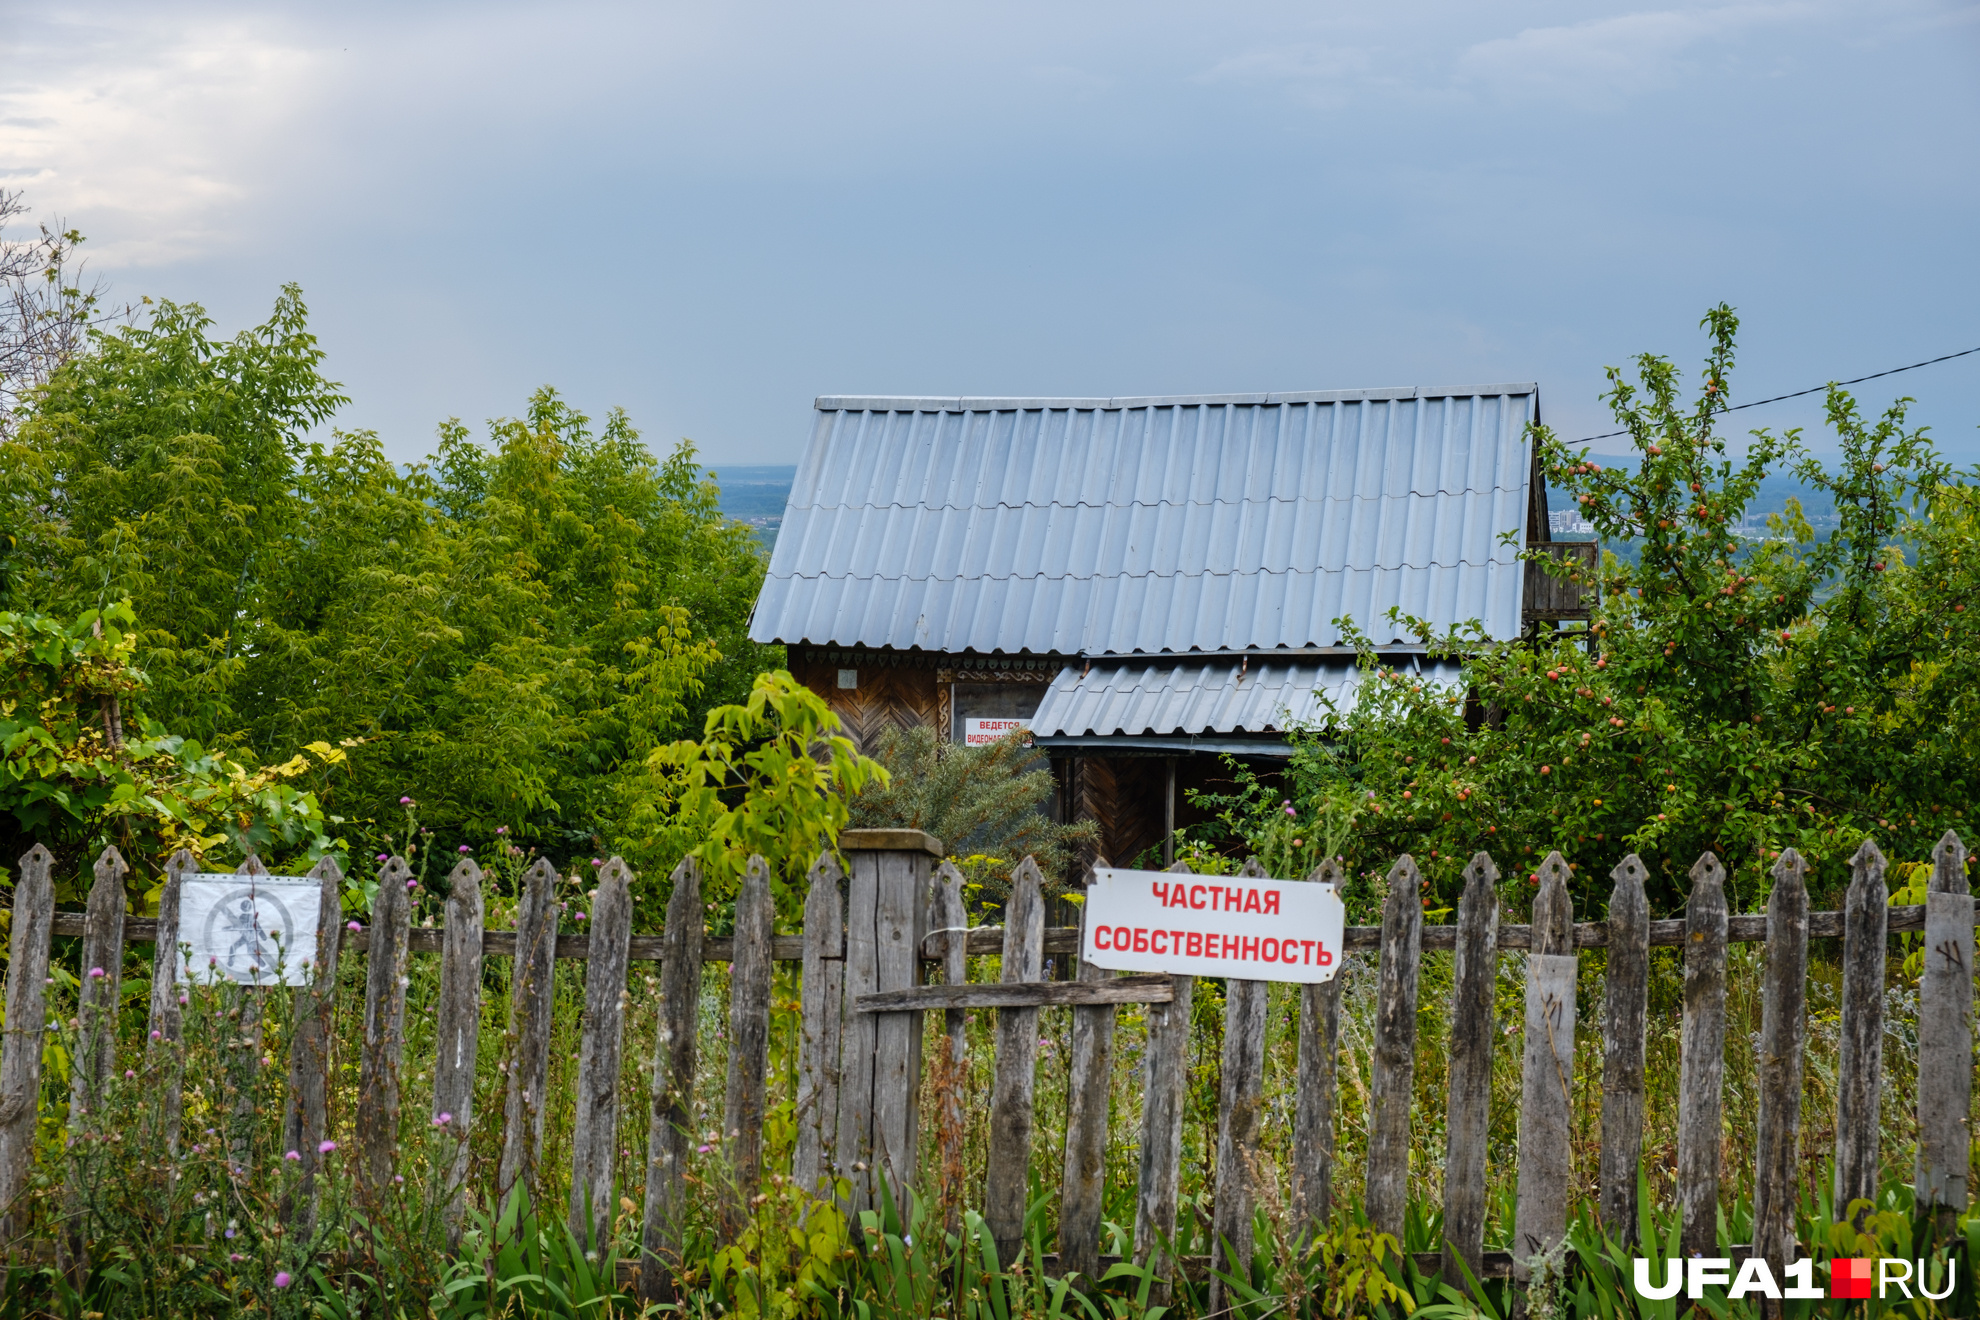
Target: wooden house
1147, 584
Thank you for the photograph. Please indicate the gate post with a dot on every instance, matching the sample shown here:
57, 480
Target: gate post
880, 1061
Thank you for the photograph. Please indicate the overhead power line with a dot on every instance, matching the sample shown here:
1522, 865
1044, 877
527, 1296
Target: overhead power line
1815, 389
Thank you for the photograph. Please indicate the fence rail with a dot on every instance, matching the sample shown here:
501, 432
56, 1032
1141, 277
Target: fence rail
874, 932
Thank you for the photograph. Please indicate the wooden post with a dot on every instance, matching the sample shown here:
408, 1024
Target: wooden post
27, 1016
1783, 1036
1318, 1087
1163, 1096
1009, 1155
532, 1001
1474, 1023
457, 1033
595, 1125
670, 1130
384, 1032
96, 1036
880, 1058
306, 1110
1626, 1000
1546, 1093
948, 912
1240, 1098
1169, 812
1945, 1036
824, 1018
1089, 1088
1702, 1062
1394, 1066
749, 1045
1860, 1071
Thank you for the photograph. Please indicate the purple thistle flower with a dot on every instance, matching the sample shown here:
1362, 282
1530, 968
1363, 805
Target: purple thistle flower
326, 1148
405, 802
354, 925
283, 1279
96, 973
293, 1155
464, 849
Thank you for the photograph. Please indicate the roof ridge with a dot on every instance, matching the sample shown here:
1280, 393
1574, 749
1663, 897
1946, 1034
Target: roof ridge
1026, 403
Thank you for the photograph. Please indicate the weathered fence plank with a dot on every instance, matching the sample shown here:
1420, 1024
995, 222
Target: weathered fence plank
27, 1017
670, 1129
595, 1121
1625, 1007
1317, 1090
306, 1107
900, 921
457, 1035
532, 999
1783, 1033
1945, 1036
1474, 1025
1163, 1095
102, 975
384, 1032
823, 1018
860, 1034
749, 1046
243, 1073
1394, 1063
1860, 1070
1011, 1114
1088, 1090
1546, 1093
948, 917
1240, 1101
165, 1022
1702, 1059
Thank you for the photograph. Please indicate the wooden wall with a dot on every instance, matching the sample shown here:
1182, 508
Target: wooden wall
900, 696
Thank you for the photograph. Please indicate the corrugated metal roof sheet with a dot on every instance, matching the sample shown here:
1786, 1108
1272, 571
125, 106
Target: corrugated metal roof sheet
1141, 699
1117, 526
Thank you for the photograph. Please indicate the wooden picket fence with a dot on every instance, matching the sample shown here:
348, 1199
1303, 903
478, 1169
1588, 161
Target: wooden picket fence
872, 935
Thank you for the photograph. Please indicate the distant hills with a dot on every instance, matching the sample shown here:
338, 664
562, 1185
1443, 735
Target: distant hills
1776, 489
756, 496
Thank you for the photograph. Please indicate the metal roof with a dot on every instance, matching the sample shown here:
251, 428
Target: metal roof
1169, 699
1123, 526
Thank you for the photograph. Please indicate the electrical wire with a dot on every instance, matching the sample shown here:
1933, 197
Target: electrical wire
1817, 389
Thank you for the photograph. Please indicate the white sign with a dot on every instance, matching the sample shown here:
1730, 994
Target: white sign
1213, 925
252, 929
981, 733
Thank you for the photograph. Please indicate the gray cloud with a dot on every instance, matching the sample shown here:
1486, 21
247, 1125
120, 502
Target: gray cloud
710, 213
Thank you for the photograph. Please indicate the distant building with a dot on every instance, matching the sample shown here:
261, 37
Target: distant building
1146, 584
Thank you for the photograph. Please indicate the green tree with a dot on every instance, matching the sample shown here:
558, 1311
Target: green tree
1732, 696
982, 802
771, 777
497, 631
82, 765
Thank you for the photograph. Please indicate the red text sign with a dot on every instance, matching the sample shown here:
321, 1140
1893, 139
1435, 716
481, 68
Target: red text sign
1213, 925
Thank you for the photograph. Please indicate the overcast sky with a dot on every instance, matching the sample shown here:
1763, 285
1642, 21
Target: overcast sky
711, 213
